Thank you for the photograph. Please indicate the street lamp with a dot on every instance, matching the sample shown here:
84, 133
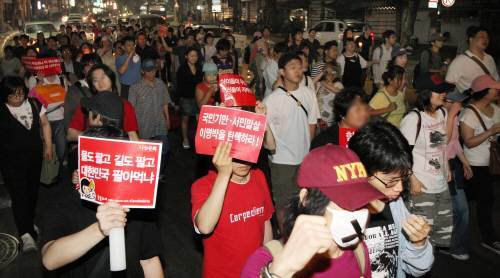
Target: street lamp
176, 11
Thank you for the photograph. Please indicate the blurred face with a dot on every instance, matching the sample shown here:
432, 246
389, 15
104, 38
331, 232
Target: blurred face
350, 47
305, 63
437, 99
312, 34
332, 53
86, 49
101, 81
52, 44
141, 41
266, 33
150, 75
31, 53
129, 46
402, 60
396, 82
190, 41
357, 115
17, 98
106, 44
40, 37
349, 34
24, 42
492, 95
211, 79
481, 40
298, 36
293, 71
438, 43
192, 57
390, 184
210, 40
223, 53
241, 169
66, 53
392, 40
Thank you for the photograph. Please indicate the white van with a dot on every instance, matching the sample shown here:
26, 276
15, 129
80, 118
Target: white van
327, 30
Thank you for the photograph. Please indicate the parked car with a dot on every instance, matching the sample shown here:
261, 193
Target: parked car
32, 28
327, 30
150, 20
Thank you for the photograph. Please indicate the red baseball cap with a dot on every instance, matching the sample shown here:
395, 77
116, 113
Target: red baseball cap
484, 82
338, 173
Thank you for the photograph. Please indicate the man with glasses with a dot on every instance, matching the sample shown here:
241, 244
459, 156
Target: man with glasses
396, 240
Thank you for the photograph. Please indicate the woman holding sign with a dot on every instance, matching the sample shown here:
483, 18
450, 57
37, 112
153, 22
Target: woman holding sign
21, 149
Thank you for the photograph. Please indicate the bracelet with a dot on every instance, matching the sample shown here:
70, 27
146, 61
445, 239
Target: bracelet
265, 273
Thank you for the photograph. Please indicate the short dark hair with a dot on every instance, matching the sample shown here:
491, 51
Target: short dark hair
381, 147
330, 44
24, 36
280, 47
91, 58
105, 131
296, 31
392, 73
387, 34
286, 58
223, 44
128, 39
8, 48
266, 27
423, 101
345, 99
107, 71
314, 203
141, 34
473, 30
208, 35
9, 85
346, 40
189, 49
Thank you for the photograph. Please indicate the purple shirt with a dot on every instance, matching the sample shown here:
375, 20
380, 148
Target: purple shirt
345, 266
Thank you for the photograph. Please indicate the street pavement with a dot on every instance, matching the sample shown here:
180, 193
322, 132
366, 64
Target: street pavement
182, 252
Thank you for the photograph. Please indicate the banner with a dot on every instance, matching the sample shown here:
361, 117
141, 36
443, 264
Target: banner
50, 94
245, 130
117, 170
42, 66
345, 135
234, 91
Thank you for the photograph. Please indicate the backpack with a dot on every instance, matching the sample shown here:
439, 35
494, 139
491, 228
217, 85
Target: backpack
416, 70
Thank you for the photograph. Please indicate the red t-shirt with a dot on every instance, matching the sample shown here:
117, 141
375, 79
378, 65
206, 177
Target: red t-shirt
203, 87
240, 230
78, 121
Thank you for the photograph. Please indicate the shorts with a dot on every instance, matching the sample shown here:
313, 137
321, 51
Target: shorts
189, 107
283, 183
437, 210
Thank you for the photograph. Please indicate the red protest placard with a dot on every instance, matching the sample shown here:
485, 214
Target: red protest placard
245, 130
234, 91
43, 66
345, 135
117, 170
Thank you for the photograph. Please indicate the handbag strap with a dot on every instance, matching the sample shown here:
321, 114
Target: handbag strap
296, 100
478, 116
479, 63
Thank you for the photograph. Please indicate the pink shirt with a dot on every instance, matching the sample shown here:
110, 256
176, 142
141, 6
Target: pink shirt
346, 266
454, 147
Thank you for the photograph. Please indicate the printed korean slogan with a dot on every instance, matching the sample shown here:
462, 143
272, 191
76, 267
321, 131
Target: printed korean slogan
245, 130
345, 135
42, 66
234, 91
116, 170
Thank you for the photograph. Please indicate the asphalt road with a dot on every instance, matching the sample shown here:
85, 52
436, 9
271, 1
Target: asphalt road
182, 252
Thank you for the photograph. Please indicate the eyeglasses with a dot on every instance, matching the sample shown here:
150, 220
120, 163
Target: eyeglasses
394, 182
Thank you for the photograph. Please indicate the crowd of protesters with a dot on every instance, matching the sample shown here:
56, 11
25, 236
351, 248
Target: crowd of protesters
381, 206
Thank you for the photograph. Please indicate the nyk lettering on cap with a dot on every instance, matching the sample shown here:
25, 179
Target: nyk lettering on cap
356, 170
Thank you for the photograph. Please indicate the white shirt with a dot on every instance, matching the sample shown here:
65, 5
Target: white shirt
270, 74
341, 62
429, 151
290, 125
463, 70
380, 68
24, 114
312, 90
480, 154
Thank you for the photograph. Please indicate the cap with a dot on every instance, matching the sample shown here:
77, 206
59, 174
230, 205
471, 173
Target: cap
342, 177
107, 104
436, 37
210, 68
398, 52
149, 65
456, 96
433, 82
484, 82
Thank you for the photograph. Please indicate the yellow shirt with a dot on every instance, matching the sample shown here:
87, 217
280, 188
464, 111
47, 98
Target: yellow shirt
382, 99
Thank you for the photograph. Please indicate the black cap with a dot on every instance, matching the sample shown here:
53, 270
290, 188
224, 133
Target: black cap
107, 104
433, 82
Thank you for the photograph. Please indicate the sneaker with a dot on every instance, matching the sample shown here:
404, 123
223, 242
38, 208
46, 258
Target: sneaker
460, 257
28, 242
185, 145
493, 246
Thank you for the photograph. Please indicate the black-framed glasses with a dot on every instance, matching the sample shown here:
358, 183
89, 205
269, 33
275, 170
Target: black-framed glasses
394, 182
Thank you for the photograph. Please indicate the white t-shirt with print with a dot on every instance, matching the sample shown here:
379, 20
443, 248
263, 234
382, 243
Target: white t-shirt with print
290, 125
429, 151
24, 114
479, 155
463, 70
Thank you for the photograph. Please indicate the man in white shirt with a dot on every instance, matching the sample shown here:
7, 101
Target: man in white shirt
469, 65
292, 124
271, 70
382, 56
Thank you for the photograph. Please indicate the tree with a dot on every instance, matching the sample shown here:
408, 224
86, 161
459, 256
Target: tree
408, 14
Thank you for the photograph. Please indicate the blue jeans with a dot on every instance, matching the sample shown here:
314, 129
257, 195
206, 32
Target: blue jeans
460, 235
164, 151
58, 138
